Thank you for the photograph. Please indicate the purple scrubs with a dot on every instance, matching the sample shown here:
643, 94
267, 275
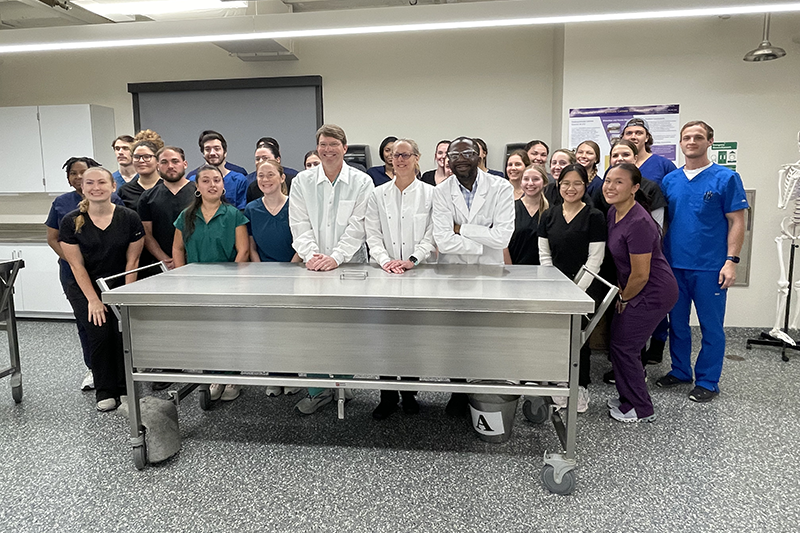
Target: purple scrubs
637, 233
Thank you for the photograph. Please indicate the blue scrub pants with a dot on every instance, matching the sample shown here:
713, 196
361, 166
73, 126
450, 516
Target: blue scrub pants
702, 288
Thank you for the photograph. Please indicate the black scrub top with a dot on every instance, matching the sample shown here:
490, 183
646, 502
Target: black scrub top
569, 242
524, 245
159, 206
104, 251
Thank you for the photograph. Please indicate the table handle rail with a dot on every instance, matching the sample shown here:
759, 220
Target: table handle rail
103, 284
8, 284
604, 304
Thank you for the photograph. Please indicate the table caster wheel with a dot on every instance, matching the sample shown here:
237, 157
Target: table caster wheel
16, 393
567, 485
139, 457
205, 399
536, 410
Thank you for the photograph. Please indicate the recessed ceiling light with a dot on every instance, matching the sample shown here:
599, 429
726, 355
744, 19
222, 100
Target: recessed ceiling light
155, 7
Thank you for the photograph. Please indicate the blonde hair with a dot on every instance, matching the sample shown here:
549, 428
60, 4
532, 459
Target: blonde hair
83, 205
544, 205
153, 137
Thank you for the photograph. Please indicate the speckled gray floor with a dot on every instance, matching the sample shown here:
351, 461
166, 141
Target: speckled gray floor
252, 465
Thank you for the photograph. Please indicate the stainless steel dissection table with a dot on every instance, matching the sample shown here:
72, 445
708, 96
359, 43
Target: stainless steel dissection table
519, 325
8, 322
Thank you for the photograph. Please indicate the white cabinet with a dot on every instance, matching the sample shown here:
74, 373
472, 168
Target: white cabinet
38, 292
21, 167
35, 142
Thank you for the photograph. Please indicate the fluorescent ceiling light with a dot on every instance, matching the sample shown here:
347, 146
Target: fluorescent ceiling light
411, 27
155, 7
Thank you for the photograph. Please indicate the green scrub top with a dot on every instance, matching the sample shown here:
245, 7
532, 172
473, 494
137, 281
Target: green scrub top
215, 241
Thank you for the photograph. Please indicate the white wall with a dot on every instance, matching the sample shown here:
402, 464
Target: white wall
698, 64
498, 85
424, 86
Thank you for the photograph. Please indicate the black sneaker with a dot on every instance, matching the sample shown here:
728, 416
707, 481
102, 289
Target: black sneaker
702, 395
667, 381
608, 377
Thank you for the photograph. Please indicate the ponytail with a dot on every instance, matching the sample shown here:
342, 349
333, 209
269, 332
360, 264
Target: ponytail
189, 215
83, 207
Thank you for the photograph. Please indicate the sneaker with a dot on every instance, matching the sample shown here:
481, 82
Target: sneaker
349, 394
160, 385
230, 393
88, 381
274, 390
630, 416
609, 378
310, 405
560, 401
668, 381
109, 404
583, 399
384, 410
702, 395
613, 403
215, 391
288, 391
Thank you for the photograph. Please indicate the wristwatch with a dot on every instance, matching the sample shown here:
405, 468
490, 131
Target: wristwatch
414, 260
733, 258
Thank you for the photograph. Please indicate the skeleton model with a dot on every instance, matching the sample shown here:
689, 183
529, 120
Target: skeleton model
788, 190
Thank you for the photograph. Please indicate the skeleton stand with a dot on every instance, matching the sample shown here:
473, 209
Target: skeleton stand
768, 340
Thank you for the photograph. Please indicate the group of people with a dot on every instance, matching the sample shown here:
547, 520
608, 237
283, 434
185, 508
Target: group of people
668, 237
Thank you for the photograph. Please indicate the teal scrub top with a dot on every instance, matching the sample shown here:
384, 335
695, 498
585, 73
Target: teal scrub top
215, 241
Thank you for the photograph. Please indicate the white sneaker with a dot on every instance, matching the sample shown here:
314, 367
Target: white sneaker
230, 393
583, 399
288, 391
630, 416
274, 390
215, 391
613, 403
88, 381
109, 404
560, 401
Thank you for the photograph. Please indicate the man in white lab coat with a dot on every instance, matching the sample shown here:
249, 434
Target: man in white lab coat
473, 219
327, 204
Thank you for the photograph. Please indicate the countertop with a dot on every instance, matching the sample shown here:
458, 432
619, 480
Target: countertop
23, 229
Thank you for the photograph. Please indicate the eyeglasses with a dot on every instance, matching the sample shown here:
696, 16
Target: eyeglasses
143, 157
402, 156
466, 154
567, 184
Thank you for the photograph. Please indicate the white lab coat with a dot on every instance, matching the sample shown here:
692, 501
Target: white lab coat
328, 218
486, 228
399, 223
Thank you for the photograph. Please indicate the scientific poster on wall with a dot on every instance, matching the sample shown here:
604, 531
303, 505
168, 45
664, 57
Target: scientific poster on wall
605, 124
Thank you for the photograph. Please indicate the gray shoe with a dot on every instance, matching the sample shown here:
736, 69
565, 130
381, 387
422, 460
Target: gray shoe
613, 403
311, 405
630, 416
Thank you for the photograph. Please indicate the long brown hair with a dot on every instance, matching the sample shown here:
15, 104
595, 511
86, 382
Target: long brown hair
190, 212
83, 205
